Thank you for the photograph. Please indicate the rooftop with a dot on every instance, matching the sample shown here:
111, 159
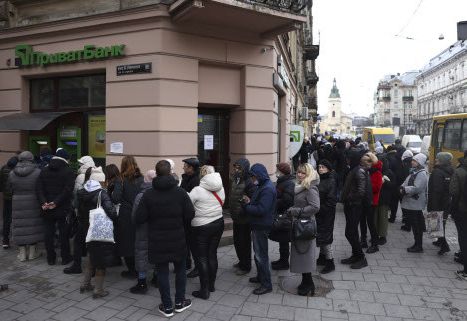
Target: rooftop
457, 48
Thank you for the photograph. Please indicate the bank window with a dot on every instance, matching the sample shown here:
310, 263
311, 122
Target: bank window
42, 94
452, 134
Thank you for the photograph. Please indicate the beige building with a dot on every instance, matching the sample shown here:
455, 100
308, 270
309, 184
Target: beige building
156, 79
336, 121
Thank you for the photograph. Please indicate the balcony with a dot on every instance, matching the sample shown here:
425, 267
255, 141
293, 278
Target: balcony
311, 78
407, 98
386, 98
267, 18
310, 51
312, 103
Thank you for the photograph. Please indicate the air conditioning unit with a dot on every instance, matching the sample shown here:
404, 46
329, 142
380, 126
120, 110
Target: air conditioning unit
304, 113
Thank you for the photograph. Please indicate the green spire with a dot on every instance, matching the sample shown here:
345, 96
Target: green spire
334, 91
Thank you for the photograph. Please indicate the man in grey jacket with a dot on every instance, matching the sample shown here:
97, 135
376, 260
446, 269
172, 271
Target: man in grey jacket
414, 199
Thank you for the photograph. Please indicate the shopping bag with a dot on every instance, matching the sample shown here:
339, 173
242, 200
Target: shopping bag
101, 228
434, 224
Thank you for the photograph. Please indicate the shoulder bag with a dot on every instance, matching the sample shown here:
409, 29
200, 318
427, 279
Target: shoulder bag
101, 228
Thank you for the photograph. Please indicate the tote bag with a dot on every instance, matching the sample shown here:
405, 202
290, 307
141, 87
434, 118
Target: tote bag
101, 227
434, 224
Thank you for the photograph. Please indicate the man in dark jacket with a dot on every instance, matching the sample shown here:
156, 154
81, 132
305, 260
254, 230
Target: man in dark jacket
190, 179
7, 199
395, 165
55, 193
261, 208
285, 189
168, 210
305, 150
240, 185
354, 191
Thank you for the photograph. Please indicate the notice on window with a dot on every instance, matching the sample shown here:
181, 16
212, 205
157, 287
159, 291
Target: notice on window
96, 136
208, 142
116, 148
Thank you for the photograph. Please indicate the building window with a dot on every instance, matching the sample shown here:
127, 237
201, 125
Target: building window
333, 114
452, 134
396, 93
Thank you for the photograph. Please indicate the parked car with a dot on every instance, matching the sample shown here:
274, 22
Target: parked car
426, 140
412, 143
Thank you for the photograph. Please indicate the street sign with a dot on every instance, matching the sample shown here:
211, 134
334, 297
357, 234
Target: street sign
296, 139
134, 69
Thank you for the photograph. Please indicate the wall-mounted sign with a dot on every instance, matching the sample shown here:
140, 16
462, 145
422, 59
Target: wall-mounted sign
134, 69
68, 133
296, 139
96, 136
26, 57
208, 142
116, 148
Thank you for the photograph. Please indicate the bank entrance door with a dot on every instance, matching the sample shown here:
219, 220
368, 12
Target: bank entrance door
213, 141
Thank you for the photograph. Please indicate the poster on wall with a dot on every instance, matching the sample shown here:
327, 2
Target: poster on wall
208, 142
96, 136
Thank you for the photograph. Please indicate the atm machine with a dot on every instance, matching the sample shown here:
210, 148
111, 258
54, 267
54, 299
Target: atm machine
69, 138
37, 143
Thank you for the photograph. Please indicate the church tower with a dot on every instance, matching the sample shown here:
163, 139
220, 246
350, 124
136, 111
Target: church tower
334, 105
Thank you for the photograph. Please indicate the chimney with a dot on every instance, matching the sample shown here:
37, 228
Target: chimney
462, 30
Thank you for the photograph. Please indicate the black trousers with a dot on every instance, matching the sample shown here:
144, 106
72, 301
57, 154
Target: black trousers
352, 219
284, 251
50, 227
79, 244
207, 241
368, 220
416, 221
242, 244
461, 225
7, 212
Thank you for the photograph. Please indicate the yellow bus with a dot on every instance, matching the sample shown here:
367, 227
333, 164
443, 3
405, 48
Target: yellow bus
449, 134
371, 135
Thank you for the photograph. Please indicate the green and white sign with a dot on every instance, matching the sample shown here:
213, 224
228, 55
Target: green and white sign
296, 139
27, 57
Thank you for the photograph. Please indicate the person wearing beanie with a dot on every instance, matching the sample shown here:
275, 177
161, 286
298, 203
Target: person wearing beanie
406, 157
45, 156
55, 194
84, 163
439, 199
28, 226
379, 150
285, 186
5, 188
141, 240
396, 166
413, 191
325, 217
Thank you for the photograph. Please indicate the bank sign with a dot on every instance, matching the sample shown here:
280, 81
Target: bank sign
27, 57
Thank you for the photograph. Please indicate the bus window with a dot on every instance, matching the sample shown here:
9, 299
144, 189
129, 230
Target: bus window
452, 134
464, 136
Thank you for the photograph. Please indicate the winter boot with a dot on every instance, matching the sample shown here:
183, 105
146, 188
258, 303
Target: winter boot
33, 252
282, 264
99, 291
140, 288
22, 256
307, 287
328, 267
321, 260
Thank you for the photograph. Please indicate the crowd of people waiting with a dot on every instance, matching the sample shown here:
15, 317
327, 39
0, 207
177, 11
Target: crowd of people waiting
159, 218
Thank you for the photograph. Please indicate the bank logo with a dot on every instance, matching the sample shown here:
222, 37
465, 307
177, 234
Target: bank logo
295, 136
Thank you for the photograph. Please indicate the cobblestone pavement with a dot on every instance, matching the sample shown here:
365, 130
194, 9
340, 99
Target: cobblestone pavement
395, 286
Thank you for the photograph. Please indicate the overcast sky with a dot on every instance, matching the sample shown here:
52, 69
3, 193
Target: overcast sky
359, 44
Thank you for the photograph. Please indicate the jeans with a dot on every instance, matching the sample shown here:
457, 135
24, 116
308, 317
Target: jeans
164, 284
260, 246
50, 225
7, 212
242, 243
207, 238
368, 219
416, 221
352, 218
79, 244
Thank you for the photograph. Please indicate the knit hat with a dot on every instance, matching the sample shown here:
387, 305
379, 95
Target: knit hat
193, 162
150, 174
284, 168
62, 153
325, 163
97, 174
379, 150
444, 157
26, 156
420, 159
407, 154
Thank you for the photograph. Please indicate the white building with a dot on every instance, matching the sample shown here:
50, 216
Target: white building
442, 86
336, 121
395, 102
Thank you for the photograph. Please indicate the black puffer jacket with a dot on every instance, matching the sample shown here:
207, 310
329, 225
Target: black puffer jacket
189, 181
56, 183
438, 188
356, 182
327, 211
285, 188
388, 191
241, 184
168, 211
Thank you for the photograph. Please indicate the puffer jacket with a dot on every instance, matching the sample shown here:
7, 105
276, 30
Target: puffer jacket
389, 188
438, 188
241, 184
285, 188
4, 175
79, 181
458, 190
356, 186
415, 187
327, 212
207, 207
141, 238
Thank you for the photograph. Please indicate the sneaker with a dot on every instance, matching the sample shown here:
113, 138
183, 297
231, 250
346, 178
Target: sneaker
241, 272
182, 306
254, 280
261, 290
359, 264
372, 249
415, 249
461, 275
405, 228
166, 312
6, 245
349, 260
328, 267
140, 288
74, 269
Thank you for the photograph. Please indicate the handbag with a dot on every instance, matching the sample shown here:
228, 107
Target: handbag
281, 228
303, 229
434, 224
101, 227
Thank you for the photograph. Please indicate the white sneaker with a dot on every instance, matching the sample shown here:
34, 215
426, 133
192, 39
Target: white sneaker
33, 252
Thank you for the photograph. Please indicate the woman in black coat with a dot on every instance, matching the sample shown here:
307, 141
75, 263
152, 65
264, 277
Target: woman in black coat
100, 254
326, 215
126, 229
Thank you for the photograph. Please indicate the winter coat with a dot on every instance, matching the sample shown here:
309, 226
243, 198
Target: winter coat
389, 188
395, 164
415, 187
304, 152
168, 211
355, 189
189, 181
141, 237
101, 253
79, 181
438, 188
285, 189
27, 221
240, 185
458, 189
4, 175
207, 206
126, 229
376, 177
262, 206
306, 205
115, 190
327, 213
55, 184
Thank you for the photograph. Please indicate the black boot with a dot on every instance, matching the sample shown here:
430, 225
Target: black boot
73, 269
321, 260
193, 273
203, 271
372, 249
361, 263
282, 264
140, 288
437, 242
364, 244
328, 267
307, 287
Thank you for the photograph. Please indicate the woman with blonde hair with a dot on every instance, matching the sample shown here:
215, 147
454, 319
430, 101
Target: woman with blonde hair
126, 230
306, 205
207, 227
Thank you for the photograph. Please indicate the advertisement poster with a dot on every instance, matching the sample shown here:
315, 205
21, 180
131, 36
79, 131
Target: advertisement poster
96, 136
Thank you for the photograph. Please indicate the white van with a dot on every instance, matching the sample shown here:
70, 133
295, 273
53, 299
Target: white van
426, 145
412, 143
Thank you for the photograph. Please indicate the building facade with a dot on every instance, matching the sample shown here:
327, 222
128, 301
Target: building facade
336, 121
395, 102
442, 86
154, 79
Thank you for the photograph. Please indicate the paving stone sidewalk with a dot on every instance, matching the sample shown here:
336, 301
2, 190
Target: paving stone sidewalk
395, 286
